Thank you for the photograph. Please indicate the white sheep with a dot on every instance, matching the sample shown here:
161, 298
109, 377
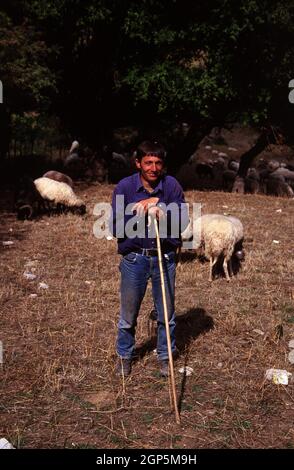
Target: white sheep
60, 194
220, 234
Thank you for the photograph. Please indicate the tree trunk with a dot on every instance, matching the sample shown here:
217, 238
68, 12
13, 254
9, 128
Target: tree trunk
247, 159
183, 149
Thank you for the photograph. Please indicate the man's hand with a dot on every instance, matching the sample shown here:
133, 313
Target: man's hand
142, 206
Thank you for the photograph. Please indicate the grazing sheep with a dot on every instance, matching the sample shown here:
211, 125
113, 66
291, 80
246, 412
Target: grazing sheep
220, 236
278, 182
276, 186
273, 165
233, 165
60, 194
287, 175
57, 176
224, 237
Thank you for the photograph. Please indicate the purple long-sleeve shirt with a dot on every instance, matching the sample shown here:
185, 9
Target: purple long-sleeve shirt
131, 190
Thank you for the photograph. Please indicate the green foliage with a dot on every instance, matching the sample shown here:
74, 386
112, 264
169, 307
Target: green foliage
27, 79
199, 58
172, 59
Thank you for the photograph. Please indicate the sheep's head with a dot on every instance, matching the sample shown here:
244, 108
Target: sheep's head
240, 255
24, 212
79, 210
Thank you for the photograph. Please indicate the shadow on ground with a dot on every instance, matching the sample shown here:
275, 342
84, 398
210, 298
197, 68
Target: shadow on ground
189, 326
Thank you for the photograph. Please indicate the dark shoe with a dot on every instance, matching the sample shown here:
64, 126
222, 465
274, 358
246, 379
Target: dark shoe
164, 368
123, 366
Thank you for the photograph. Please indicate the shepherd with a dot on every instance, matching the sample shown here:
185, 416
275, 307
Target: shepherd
149, 193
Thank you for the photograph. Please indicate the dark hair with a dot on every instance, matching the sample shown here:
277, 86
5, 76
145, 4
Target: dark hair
149, 147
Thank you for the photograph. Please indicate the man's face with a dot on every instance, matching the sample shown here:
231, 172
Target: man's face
151, 168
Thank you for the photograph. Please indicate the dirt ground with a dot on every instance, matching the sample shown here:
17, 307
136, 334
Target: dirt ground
58, 388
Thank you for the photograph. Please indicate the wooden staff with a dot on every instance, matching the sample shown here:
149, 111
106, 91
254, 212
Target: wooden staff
170, 356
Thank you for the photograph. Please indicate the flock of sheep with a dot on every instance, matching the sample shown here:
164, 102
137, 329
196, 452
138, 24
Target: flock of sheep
268, 177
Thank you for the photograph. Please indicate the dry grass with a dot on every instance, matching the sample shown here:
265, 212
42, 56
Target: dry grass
58, 388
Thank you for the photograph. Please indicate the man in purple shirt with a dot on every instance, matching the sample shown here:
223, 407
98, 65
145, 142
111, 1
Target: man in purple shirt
136, 200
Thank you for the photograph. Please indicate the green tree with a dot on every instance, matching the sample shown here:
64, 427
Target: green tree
118, 62
27, 80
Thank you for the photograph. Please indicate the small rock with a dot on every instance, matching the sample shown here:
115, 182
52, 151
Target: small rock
186, 370
208, 147
291, 343
43, 285
8, 243
222, 154
33, 296
214, 151
279, 210
29, 276
225, 207
278, 376
88, 282
259, 332
232, 149
219, 365
276, 242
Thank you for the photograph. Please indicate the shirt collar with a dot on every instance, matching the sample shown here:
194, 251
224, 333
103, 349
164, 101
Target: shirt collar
140, 187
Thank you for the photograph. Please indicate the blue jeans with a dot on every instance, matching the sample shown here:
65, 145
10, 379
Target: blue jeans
135, 270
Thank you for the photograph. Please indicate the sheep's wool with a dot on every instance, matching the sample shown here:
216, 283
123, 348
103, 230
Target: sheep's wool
57, 192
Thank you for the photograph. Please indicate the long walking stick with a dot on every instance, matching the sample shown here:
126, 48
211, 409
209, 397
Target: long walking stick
170, 356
